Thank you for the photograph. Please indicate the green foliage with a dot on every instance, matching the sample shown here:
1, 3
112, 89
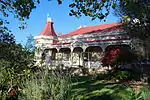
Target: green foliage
121, 75
126, 75
116, 75
15, 63
98, 8
93, 8
17, 72
145, 93
130, 94
20, 9
137, 22
49, 85
6, 38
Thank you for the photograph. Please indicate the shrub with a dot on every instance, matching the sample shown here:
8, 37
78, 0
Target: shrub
122, 75
47, 85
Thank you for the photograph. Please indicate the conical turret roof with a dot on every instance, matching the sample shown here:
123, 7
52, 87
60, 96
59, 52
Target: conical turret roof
48, 30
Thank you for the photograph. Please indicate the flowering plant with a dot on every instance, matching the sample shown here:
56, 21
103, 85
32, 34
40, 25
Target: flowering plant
111, 56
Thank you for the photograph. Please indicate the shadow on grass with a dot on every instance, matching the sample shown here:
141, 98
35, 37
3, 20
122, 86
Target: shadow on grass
105, 96
84, 88
80, 78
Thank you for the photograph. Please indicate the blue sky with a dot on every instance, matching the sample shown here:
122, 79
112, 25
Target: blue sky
63, 23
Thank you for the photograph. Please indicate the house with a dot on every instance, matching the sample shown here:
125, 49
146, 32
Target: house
82, 47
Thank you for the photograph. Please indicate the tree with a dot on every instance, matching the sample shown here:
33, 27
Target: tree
99, 8
93, 8
117, 55
15, 63
136, 19
30, 44
20, 9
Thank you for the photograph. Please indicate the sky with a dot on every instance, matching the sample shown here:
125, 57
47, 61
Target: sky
63, 23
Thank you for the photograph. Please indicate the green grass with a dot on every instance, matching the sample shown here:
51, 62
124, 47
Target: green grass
85, 88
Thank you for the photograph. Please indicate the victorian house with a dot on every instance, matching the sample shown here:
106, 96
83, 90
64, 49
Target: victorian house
82, 47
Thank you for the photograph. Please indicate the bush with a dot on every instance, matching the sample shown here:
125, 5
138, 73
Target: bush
47, 85
121, 75
145, 93
131, 94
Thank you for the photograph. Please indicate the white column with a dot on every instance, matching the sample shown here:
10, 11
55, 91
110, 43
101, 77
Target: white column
71, 55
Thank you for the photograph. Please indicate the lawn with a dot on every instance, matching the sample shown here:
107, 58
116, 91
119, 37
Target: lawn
86, 88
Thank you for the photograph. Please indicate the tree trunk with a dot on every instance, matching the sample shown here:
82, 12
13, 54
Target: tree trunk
146, 49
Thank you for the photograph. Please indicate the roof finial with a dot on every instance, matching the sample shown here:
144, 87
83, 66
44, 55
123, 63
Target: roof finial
48, 18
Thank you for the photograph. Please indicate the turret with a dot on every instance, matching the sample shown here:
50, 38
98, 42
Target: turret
44, 41
47, 36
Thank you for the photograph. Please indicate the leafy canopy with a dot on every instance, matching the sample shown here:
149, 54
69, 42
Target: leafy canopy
20, 9
136, 17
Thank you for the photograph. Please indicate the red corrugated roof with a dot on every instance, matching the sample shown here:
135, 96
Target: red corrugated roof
48, 30
90, 29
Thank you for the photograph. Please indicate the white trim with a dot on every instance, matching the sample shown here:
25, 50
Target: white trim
44, 37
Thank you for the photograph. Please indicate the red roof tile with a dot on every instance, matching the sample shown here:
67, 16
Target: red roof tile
90, 29
48, 30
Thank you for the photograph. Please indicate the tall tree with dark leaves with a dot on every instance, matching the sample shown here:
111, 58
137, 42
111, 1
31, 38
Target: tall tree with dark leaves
20, 9
14, 61
136, 19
